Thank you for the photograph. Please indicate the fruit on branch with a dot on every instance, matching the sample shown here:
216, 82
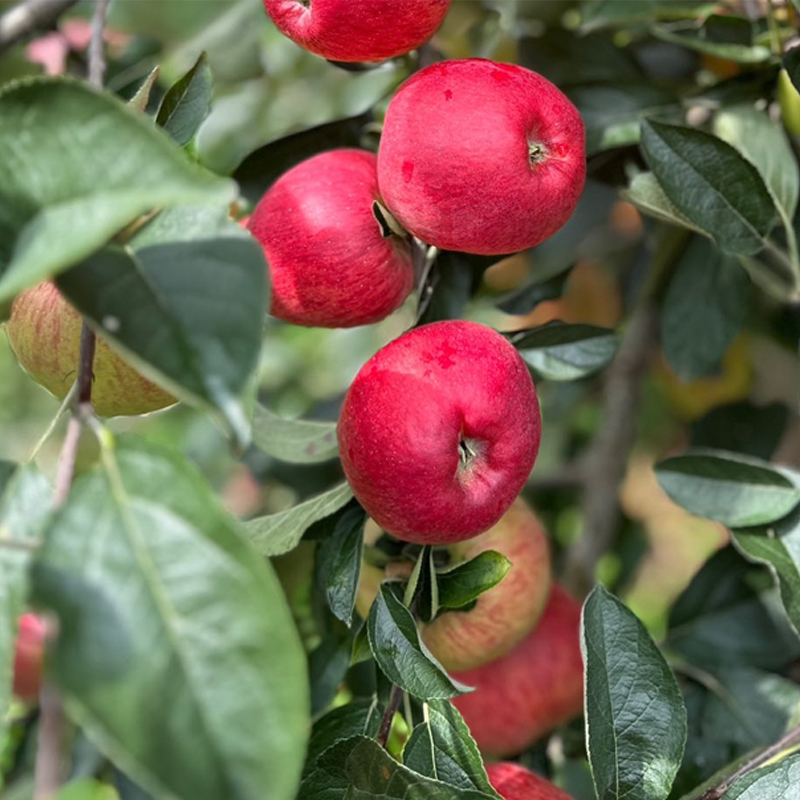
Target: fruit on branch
439, 432
332, 262
535, 688
29, 658
514, 782
45, 332
481, 157
358, 30
502, 616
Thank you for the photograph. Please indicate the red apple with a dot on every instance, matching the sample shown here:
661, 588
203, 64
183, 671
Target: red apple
439, 432
358, 30
29, 658
535, 688
514, 782
503, 616
330, 263
481, 157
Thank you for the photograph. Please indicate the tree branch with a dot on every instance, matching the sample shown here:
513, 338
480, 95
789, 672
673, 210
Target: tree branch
29, 17
395, 698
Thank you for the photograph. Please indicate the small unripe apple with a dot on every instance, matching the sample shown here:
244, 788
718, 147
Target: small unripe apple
331, 263
439, 432
45, 333
513, 782
535, 688
29, 658
503, 616
358, 30
481, 157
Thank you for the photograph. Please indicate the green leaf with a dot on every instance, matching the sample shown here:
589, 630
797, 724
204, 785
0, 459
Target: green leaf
202, 645
359, 768
561, 352
327, 667
791, 62
84, 789
635, 717
87, 167
339, 563
465, 583
739, 53
524, 300
279, 533
776, 782
141, 99
735, 490
401, 654
189, 315
646, 194
296, 441
709, 182
187, 104
442, 747
706, 304
753, 430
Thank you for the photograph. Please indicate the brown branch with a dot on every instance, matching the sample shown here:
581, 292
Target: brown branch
29, 17
395, 698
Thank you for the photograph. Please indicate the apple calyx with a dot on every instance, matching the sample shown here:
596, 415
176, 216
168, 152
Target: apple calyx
468, 451
537, 153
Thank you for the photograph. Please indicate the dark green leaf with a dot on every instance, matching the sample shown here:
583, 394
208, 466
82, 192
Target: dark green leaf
739, 53
709, 182
279, 533
742, 428
88, 167
147, 540
465, 583
791, 63
597, 14
561, 352
727, 487
296, 441
524, 300
646, 194
635, 717
327, 667
186, 104
777, 782
706, 304
400, 653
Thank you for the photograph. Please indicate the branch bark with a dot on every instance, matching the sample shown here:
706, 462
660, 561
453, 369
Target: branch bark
29, 17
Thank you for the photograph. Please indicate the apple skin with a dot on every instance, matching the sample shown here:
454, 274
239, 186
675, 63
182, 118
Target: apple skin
439, 432
330, 264
358, 30
45, 334
535, 688
514, 782
481, 157
29, 658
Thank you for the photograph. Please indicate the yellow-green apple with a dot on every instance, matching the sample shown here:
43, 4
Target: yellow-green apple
358, 30
504, 615
531, 690
513, 782
45, 332
29, 658
331, 263
439, 432
481, 157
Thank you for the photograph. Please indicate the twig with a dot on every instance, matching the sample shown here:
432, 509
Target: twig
28, 17
49, 762
97, 61
395, 699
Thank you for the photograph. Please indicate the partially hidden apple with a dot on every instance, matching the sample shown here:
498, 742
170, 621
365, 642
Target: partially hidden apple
481, 157
532, 690
29, 658
331, 262
358, 30
45, 333
439, 432
504, 615
514, 782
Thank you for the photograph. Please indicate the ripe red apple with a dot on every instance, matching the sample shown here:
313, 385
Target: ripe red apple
45, 333
514, 782
481, 157
358, 30
439, 432
503, 616
29, 658
331, 264
535, 688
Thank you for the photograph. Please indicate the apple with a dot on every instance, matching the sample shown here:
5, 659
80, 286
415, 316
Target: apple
45, 333
439, 432
535, 688
358, 30
29, 658
331, 264
481, 157
502, 616
514, 782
